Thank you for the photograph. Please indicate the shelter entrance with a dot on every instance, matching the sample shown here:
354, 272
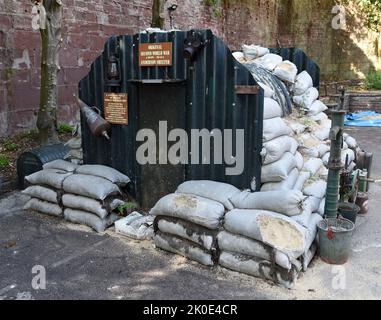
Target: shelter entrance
160, 102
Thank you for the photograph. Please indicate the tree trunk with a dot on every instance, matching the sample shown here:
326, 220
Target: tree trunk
158, 18
51, 43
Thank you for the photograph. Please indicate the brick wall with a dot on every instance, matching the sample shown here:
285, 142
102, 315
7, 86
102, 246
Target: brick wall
88, 24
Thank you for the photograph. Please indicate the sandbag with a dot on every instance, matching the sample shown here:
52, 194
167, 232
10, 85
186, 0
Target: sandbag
45, 207
351, 166
351, 142
90, 186
271, 109
325, 158
351, 156
50, 177
345, 146
268, 92
313, 166
279, 170
61, 165
313, 203
213, 190
85, 204
319, 117
302, 83
303, 177
274, 229
277, 147
105, 172
316, 108
296, 127
183, 229
322, 134
41, 193
299, 161
323, 149
243, 245
286, 71
201, 211
309, 152
239, 56
294, 146
323, 173
321, 207
288, 203
183, 247
274, 128
252, 52
89, 219
140, 228
286, 184
307, 99
316, 189
308, 256
268, 61
258, 268
304, 218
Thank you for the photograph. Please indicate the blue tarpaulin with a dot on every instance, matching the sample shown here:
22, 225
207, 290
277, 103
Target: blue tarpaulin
363, 119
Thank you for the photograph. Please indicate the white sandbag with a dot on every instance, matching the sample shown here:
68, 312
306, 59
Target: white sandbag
307, 99
89, 219
287, 184
312, 230
308, 256
258, 268
61, 165
44, 207
323, 173
303, 177
313, 203
132, 217
41, 193
50, 177
306, 140
304, 218
309, 152
319, 117
183, 229
90, 186
345, 136
351, 142
105, 172
74, 143
316, 108
140, 228
183, 247
271, 109
323, 149
213, 190
299, 161
274, 128
351, 156
313, 165
321, 207
296, 127
252, 52
85, 204
351, 166
322, 134
316, 189
243, 245
274, 229
202, 211
276, 148
325, 158
268, 61
288, 203
239, 56
268, 92
286, 71
279, 170
294, 146
302, 83
345, 146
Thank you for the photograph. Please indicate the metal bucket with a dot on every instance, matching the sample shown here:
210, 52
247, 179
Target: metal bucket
349, 211
335, 236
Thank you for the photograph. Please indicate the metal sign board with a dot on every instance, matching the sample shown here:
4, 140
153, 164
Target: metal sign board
155, 54
116, 108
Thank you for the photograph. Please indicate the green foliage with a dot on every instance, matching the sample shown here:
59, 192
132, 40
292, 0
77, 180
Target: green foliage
372, 9
9, 145
216, 7
4, 162
65, 128
128, 206
373, 81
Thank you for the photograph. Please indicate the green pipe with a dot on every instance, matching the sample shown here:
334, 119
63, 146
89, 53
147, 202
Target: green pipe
335, 164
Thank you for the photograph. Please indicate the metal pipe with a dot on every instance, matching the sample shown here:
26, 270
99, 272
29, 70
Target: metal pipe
335, 164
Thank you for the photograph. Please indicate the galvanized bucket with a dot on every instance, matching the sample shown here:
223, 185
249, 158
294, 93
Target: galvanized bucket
335, 236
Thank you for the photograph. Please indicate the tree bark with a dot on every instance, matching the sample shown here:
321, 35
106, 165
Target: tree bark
158, 19
51, 40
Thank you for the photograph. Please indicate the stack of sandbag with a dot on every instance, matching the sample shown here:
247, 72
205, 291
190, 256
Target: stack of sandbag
261, 239
92, 194
45, 187
187, 222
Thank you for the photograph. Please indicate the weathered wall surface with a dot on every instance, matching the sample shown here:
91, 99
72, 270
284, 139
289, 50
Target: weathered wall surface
88, 24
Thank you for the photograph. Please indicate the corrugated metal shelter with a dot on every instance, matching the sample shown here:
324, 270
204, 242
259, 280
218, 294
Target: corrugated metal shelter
189, 94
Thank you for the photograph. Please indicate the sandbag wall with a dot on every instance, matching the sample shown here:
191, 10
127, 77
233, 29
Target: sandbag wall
81, 194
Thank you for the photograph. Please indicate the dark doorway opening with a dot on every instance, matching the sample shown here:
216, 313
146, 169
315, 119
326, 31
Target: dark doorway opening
160, 102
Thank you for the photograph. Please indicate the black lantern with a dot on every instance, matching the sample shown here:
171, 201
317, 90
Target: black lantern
113, 71
193, 45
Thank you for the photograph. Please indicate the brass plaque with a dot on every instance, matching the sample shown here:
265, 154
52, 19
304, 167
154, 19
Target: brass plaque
116, 108
155, 54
